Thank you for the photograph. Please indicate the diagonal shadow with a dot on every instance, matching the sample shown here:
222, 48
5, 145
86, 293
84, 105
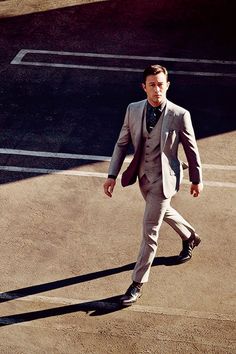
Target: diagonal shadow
93, 308
36, 289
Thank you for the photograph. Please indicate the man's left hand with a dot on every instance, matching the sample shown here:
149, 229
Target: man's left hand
196, 189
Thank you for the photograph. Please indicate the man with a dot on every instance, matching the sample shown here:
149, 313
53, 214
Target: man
155, 127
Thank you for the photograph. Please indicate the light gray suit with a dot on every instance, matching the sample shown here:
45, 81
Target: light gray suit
159, 157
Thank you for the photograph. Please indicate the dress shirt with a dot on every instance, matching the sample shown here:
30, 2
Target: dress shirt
153, 114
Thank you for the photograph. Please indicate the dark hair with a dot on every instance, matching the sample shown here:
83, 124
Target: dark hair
154, 70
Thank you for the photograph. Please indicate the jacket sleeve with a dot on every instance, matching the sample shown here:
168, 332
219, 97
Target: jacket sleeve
188, 140
121, 147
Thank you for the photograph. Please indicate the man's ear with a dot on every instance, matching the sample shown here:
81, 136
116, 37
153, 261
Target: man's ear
144, 87
168, 84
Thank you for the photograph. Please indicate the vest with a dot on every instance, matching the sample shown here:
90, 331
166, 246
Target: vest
150, 164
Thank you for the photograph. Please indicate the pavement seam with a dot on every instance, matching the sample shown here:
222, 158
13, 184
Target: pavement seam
103, 305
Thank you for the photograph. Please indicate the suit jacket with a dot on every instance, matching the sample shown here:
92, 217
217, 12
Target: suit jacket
176, 128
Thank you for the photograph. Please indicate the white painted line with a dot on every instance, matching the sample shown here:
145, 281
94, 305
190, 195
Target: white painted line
52, 171
18, 60
219, 167
103, 305
110, 68
59, 155
75, 66
199, 73
23, 52
94, 174
215, 184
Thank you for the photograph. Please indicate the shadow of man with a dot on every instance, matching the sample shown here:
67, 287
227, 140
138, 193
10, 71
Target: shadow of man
92, 308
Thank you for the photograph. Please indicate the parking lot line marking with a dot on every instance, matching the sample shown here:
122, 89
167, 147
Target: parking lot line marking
219, 167
94, 174
53, 171
92, 305
18, 60
23, 52
110, 68
214, 184
60, 155
57, 155
83, 67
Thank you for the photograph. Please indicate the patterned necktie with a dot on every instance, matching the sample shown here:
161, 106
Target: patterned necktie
153, 115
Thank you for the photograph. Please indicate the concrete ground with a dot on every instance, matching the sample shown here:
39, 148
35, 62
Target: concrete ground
10, 8
67, 251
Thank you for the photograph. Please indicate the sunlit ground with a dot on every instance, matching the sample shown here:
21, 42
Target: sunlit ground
10, 8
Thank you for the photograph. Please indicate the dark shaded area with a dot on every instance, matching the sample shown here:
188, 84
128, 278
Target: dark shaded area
81, 111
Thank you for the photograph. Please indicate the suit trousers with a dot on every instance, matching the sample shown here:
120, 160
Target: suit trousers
157, 209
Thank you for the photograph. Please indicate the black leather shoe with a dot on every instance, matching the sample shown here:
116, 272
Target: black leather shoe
131, 295
188, 246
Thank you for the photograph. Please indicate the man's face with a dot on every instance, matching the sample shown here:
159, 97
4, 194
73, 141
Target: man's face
156, 87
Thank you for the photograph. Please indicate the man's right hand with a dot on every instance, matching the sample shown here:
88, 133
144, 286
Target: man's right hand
109, 186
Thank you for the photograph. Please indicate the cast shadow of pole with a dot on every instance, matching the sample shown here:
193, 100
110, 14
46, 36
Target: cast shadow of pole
93, 308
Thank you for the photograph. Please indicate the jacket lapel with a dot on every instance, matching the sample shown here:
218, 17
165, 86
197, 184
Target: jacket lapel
129, 176
142, 114
168, 117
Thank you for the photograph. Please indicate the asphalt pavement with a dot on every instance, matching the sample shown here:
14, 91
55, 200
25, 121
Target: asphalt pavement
67, 251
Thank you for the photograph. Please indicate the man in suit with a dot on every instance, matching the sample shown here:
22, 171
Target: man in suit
155, 127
